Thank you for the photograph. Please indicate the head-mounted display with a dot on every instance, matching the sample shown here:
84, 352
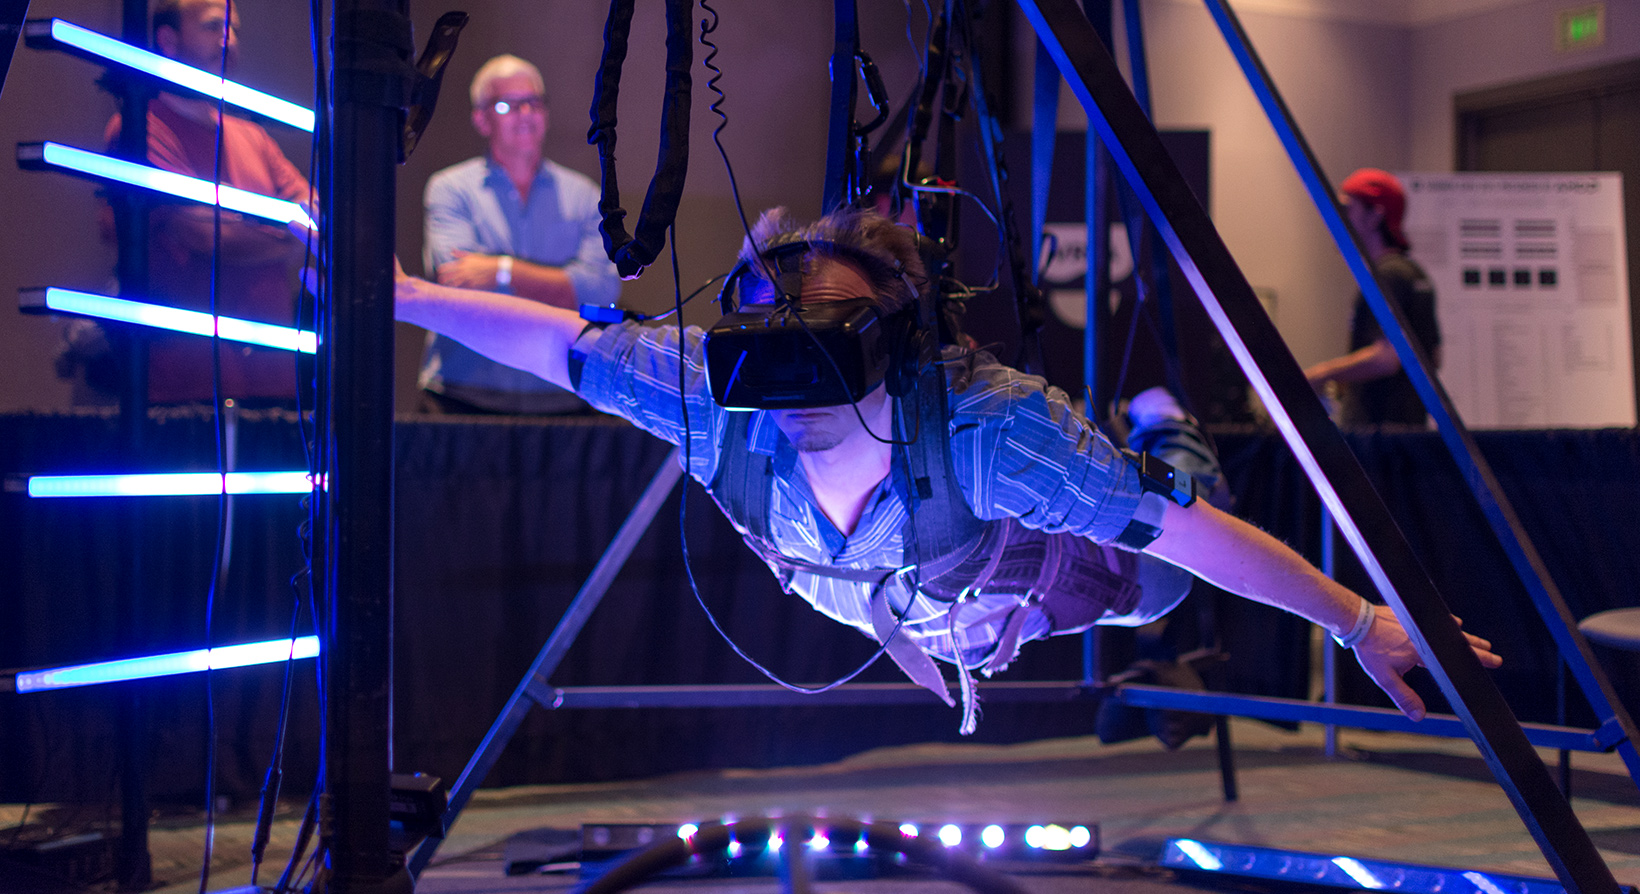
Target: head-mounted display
788, 354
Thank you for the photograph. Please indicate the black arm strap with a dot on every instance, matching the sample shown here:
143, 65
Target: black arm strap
632, 254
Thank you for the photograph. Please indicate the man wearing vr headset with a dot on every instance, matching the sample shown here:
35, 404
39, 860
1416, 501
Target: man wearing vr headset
960, 552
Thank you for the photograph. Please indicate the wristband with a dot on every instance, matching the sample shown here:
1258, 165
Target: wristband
503, 271
1363, 623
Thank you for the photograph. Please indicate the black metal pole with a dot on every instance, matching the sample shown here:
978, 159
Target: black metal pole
371, 53
1317, 444
134, 865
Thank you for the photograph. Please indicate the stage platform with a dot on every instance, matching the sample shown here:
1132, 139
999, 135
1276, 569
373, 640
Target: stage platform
1413, 799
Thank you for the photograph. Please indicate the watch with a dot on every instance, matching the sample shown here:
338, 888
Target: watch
503, 271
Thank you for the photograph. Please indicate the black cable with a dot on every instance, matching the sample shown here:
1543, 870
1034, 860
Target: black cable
315, 435
218, 567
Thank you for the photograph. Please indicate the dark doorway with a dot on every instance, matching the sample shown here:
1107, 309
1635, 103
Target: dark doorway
1583, 121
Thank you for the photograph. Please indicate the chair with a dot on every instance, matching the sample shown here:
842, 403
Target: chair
1618, 628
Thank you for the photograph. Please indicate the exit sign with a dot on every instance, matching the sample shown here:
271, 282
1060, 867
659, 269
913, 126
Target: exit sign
1580, 27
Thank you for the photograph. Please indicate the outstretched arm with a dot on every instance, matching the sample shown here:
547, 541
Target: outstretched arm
1236, 556
520, 333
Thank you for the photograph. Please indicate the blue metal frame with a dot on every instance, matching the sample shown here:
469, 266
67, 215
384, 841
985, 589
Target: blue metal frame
1320, 449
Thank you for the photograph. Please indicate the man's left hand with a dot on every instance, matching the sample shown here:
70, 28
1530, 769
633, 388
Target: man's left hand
1387, 653
469, 270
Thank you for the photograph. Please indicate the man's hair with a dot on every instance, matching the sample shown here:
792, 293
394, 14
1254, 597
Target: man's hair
503, 66
884, 250
169, 14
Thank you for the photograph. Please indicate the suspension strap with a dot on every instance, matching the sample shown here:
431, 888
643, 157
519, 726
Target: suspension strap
632, 254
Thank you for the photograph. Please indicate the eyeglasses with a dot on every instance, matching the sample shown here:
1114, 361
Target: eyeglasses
520, 104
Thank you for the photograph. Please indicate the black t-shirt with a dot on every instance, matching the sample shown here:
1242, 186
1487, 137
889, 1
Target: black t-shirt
1393, 399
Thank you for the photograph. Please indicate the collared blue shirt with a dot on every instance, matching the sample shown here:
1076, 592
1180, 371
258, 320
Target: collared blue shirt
473, 206
1018, 450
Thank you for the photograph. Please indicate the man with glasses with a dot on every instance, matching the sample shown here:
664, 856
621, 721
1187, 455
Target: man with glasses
513, 222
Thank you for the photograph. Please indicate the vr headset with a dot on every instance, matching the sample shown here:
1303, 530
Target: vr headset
788, 354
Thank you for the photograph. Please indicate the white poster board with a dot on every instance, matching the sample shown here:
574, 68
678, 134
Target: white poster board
1531, 286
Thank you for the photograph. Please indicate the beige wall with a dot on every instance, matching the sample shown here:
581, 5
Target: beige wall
1370, 84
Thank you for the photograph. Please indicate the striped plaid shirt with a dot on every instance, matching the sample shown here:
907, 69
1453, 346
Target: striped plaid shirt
1017, 447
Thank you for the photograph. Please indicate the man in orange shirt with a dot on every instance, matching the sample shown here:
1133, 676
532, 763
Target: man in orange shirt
258, 260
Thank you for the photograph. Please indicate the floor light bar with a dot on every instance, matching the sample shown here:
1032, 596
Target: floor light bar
173, 484
149, 666
58, 34
48, 155
163, 316
1236, 861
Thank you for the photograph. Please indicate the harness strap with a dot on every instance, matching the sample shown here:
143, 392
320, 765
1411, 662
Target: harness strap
916, 663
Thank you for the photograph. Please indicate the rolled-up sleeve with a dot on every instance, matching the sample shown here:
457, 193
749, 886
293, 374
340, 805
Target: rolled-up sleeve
448, 222
1019, 449
631, 371
590, 272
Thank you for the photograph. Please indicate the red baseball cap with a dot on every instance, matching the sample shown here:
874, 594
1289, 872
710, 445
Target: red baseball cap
1381, 189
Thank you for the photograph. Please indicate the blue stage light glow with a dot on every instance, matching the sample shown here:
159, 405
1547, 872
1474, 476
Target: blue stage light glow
951, 835
1481, 882
1360, 874
169, 484
149, 666
196, 79
68, 158
162, 316
992, 836
1199, 855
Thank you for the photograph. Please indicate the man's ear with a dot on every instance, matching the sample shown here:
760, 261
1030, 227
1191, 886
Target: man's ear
481, 122
165, 41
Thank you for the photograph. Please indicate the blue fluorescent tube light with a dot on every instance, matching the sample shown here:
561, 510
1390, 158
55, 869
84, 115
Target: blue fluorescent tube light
149, 666
163, 316
56, 33
1237, 861
175, 484
49, 155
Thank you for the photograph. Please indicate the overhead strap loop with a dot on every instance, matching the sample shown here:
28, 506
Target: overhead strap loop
630, 253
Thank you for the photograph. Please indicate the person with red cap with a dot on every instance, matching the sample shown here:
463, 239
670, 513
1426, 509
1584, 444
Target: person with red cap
1374, 204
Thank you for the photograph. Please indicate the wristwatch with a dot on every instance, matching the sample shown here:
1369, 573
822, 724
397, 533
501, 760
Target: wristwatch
503, 271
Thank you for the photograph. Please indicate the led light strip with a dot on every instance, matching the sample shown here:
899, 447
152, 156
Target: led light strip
56, 155
173, 484
163, 316
45, 32
148, 666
